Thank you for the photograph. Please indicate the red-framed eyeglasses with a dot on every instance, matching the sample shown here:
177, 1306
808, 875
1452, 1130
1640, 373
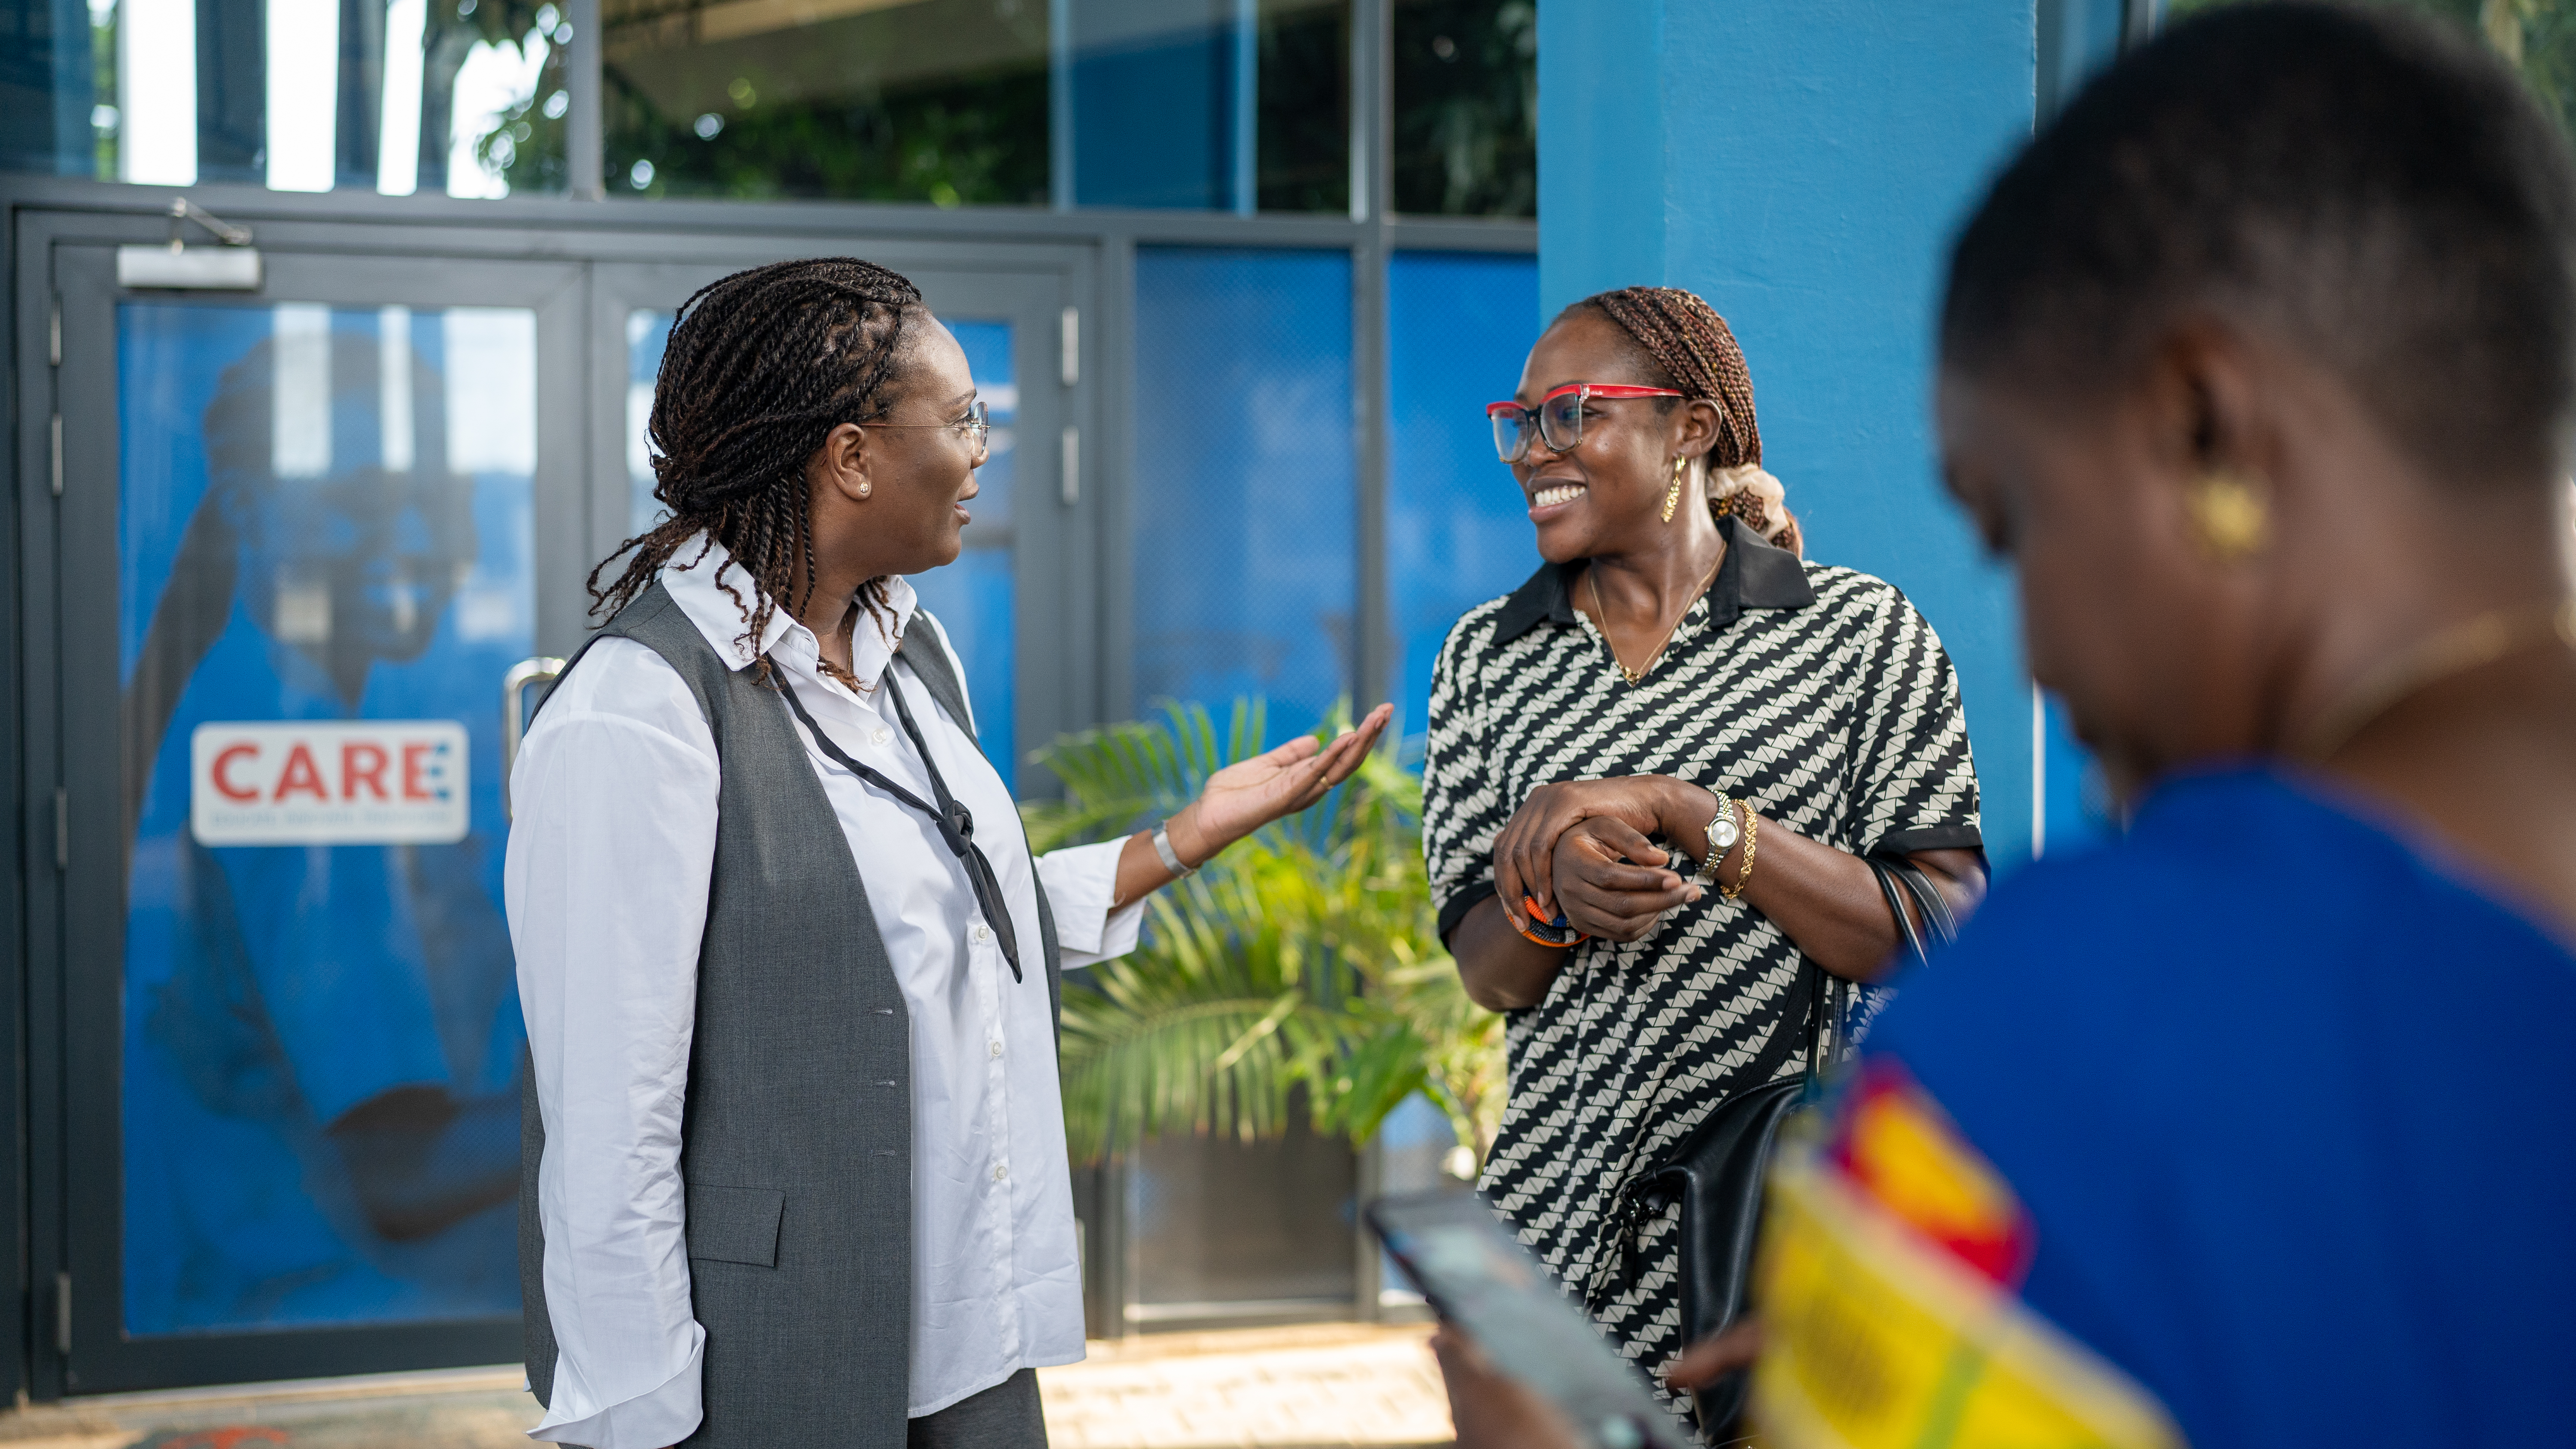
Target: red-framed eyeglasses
1558, 418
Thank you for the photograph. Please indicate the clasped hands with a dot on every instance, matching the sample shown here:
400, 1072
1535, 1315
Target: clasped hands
1582, 847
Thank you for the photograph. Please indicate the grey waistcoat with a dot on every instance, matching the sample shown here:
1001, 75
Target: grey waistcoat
796, 1145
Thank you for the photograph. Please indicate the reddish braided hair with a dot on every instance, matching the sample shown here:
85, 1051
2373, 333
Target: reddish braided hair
1683, 344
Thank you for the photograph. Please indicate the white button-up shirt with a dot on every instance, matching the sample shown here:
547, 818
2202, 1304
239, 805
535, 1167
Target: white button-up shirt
611, 853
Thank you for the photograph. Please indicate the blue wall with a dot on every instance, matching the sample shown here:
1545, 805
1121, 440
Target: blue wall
1802, 164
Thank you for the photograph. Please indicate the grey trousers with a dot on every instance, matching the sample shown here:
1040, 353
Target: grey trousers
1005, 1416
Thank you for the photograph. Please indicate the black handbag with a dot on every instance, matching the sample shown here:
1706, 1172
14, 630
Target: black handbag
1718, 1171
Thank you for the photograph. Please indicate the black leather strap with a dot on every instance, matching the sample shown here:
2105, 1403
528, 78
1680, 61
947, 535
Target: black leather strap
1648, 1192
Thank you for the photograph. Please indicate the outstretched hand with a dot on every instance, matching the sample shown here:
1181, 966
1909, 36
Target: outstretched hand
1248, 794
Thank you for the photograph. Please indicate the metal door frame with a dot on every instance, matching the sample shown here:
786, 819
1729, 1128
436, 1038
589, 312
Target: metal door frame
83, 1261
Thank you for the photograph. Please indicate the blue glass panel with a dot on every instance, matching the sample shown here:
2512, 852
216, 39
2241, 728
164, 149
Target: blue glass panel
988, 358
648, 333
1245, 484
324, 570
1152, 105
1457, 533
975, 597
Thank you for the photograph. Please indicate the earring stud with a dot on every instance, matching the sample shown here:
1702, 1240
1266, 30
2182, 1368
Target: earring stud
2230, 519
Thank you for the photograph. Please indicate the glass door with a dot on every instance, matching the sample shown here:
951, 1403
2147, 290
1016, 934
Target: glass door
304, 533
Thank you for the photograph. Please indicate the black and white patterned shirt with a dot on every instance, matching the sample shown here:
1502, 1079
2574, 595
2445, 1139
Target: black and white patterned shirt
1817, 693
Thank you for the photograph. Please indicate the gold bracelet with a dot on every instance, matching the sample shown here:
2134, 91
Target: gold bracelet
1744, 872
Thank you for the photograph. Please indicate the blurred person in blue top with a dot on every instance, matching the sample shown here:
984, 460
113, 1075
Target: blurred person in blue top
2253, 1126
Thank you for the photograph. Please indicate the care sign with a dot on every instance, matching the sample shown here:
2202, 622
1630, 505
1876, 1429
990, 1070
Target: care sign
328, 782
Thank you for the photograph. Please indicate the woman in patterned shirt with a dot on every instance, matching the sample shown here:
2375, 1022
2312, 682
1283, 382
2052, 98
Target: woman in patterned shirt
1671, 674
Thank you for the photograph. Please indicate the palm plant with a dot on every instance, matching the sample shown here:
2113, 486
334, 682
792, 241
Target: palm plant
1301, 971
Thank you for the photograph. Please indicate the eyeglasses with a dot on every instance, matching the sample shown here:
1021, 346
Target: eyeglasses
1558, 418
976, 427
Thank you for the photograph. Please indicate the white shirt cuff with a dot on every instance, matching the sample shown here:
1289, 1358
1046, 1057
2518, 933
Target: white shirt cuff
656, 1419
1080, 883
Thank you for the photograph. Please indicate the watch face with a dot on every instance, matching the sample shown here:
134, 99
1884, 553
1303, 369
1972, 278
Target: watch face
1723, 832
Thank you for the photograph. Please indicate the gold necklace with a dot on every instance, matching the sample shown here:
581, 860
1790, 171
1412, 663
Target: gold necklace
2457, 650
1601, 617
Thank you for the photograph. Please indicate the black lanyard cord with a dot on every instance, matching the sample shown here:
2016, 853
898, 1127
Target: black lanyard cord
956, 823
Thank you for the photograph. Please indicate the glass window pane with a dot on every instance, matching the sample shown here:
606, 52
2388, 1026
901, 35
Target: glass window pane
648, 334
325, 569
1457, 530
2538, 37
1245, 489
393, 96
934, 100
1305, 106
1213, 105
1466, 107
1220, 105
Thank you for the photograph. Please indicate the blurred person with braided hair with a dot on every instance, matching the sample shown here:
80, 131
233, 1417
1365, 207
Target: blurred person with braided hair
1651, 776
795, 1168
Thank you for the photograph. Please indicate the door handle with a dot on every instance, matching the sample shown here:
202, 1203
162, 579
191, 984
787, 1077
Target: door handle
541, 669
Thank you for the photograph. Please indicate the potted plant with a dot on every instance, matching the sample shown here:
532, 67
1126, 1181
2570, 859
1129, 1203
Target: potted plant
1300, 971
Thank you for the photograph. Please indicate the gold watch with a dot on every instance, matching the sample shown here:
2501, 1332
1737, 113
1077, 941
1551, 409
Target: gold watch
1722, 832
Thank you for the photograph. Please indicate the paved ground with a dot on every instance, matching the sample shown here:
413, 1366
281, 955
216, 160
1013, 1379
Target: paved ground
1323, 1386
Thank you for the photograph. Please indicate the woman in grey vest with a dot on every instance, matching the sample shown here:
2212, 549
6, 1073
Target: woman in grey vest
795, 1170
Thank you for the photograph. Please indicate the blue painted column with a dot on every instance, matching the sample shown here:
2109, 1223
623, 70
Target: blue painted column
1802, 164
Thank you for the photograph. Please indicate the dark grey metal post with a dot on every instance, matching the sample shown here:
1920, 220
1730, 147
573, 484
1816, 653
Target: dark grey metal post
1372, 33
585, 138
1373, 671
1060, 191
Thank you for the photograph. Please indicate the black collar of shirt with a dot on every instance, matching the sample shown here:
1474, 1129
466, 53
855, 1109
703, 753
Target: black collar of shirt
1755, 575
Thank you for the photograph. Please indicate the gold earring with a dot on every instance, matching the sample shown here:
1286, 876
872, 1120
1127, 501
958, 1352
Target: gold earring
1673, 495
2230, 520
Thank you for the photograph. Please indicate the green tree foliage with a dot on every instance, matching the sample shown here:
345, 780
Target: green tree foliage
1300, 971
966, 141
2537, 36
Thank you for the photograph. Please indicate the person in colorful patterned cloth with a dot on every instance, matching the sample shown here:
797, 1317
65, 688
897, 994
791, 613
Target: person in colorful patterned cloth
2247, 1128
1677, 738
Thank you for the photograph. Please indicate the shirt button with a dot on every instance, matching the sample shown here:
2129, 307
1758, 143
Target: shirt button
880, 735
997, 1048
1000, 1172
979, 933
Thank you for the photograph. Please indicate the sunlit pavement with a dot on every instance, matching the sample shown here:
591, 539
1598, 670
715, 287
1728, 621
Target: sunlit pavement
1329, 1384
1274, 1388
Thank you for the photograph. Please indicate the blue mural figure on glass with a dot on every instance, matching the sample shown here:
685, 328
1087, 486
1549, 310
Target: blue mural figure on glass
321, 1104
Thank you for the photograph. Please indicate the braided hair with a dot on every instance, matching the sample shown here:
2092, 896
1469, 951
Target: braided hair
1683, 344
761, 366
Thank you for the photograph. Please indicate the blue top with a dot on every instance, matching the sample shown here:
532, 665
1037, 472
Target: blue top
2293, 1110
